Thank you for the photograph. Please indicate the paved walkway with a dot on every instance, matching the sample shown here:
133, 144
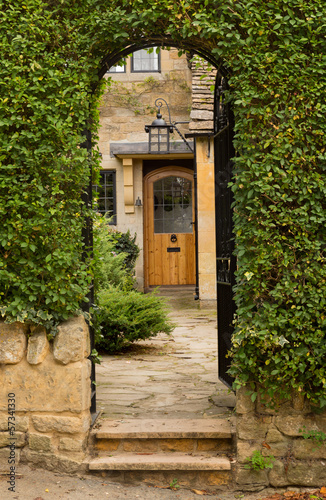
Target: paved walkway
168, 376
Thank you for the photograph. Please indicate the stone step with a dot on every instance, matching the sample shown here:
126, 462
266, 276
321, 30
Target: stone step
169, 428
173, 436
160, 462
159, 452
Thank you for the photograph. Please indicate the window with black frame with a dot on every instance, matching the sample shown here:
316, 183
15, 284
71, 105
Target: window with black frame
146, 60
106, 195
118, 68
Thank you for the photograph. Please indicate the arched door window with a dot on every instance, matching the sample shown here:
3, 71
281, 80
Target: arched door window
173, 205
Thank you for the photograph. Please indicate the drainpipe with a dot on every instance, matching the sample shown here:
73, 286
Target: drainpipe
196, 297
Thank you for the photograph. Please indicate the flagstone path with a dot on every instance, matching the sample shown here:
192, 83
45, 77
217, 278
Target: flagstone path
168, 376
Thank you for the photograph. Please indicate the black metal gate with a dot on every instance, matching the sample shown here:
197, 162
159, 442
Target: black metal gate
225, 260
87, 236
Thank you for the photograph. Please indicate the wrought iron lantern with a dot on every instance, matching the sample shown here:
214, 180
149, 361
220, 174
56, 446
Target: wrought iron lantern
159, 132
138, 202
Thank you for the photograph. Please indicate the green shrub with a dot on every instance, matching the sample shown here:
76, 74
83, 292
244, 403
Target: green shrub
122, 317
110, 266
126, 244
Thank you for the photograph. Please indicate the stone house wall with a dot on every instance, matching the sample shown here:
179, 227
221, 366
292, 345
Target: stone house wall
202, 108
44, 395
124, 111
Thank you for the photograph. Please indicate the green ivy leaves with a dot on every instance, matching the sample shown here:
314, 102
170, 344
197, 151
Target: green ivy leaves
49, 91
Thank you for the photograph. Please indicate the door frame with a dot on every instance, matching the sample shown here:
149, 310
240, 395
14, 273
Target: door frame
152, 177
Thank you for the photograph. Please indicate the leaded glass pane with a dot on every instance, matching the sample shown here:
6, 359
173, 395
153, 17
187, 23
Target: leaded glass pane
106, 203
173, 205
143, 60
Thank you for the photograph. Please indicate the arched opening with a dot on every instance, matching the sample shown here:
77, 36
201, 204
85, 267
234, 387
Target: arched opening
211, 204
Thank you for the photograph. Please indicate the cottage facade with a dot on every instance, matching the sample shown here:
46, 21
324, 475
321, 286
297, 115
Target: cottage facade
167, 199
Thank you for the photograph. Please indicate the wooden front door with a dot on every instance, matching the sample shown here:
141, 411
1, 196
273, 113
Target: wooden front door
169, 228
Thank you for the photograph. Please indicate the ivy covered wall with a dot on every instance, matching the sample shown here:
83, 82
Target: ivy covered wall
275, 52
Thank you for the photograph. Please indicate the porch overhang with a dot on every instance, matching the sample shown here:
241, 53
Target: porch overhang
139, 150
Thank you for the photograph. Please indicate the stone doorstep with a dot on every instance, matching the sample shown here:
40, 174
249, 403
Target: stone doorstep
159, 461
164, 429
220, 447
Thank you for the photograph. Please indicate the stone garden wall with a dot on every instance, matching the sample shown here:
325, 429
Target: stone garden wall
44, 396
298, 461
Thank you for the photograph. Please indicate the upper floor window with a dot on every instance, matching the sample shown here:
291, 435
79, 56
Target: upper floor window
145, 61
106, 195
118, 68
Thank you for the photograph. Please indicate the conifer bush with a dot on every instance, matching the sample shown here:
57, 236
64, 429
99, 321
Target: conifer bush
124, 317
121, 314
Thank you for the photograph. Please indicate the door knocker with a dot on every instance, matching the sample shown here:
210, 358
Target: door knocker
173, 238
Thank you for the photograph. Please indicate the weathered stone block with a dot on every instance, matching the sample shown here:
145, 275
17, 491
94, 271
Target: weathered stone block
297, 401
38, 346
274, 435
39, 442
21, 423
307, 473
12, 342
321, 422
303, 449
244, 403
252, 427
53, 461
140, 445
18, 439
201, 125
207, 106
291, 425
253, 478
280, 449
48, 386
201, 115
275, 405
207, 480
245, 449
278, 444
70, 425
218, 478
72, 341
218, 445
184, 445
277, 475
70, 444
107, 444
150, 477
5, 455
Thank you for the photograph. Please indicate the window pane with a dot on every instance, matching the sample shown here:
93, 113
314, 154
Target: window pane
142, 60
118, 68
106, 201
173, 205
